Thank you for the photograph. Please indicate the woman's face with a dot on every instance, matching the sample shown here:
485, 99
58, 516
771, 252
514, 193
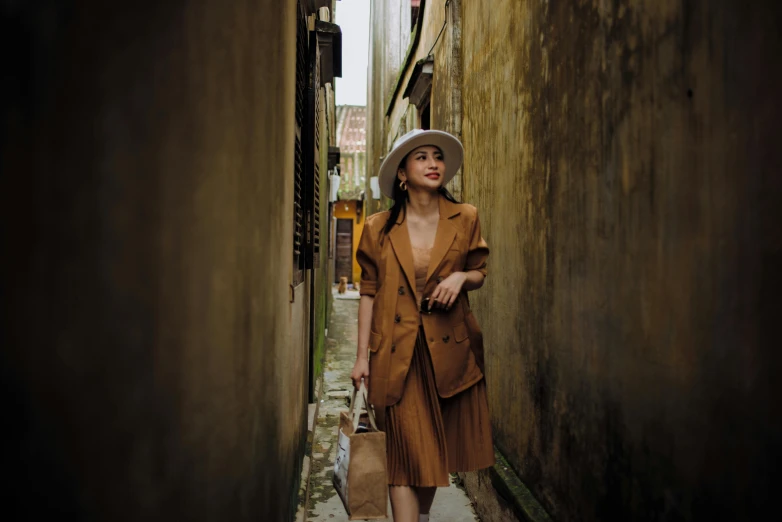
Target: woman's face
424, 169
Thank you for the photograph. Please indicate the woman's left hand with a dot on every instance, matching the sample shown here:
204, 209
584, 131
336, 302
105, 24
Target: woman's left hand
448, 290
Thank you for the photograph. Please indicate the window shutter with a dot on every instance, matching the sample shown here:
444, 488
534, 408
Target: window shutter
312, 159
298, 153
316, 176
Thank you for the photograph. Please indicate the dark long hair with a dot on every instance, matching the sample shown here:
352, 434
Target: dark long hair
400, 198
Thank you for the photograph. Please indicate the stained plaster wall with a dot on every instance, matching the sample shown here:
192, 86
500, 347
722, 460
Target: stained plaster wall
389, 114
625, 158
148, 366
389, 36
322, 280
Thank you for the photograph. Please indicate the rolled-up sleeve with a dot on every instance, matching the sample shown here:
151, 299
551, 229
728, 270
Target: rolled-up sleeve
478, 252
366, 255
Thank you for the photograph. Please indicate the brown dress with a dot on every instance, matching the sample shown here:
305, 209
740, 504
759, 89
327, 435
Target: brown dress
428, 437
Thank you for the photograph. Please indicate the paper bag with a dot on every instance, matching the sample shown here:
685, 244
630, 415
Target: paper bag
360, 475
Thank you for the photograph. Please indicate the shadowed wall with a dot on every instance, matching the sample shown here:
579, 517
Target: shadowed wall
146, 152
625, 159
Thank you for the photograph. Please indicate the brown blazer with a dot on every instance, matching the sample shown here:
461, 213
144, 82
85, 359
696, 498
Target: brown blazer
387, 273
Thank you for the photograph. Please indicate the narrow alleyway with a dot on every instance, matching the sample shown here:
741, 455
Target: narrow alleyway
451, 504
181, 185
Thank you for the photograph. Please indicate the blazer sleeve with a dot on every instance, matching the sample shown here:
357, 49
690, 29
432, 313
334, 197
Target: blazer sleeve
478, 251
366, 256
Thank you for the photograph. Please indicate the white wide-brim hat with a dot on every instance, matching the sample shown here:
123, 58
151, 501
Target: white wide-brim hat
451, 147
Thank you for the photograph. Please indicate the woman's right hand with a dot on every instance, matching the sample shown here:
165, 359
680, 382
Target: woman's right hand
360, 370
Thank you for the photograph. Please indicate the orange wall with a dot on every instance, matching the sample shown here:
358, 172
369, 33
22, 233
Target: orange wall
340, 212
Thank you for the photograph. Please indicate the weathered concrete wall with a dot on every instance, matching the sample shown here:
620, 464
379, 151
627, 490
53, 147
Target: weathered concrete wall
433, 12
389, 36
625, 158
147, 366
375, 119
446, 105
388, 115
322, 283
327, 264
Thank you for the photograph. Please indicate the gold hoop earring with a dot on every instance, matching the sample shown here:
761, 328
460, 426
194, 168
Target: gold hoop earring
403, 186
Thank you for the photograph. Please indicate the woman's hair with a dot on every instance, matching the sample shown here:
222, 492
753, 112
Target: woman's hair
400, 198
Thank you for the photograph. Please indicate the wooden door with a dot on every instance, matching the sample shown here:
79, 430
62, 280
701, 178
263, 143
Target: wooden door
344, 263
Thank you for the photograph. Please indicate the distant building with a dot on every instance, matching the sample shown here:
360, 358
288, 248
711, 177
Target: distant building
352, 143
348, 209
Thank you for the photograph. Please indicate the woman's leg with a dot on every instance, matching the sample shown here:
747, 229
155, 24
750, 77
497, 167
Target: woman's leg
404, 503
425, 499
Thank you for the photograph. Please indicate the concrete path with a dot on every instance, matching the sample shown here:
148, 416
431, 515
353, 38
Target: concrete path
451, 504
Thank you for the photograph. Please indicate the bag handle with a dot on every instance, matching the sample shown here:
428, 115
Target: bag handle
362, 398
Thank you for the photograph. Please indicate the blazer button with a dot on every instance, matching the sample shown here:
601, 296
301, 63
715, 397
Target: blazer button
401, 290
445, 339
397, 318
393, 348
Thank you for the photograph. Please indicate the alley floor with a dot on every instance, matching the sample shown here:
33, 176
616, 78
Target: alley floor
451, 504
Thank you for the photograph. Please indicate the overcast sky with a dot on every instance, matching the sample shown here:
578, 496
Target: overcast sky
352, 16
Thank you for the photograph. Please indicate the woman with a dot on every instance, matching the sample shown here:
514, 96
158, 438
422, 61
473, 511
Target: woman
420, 350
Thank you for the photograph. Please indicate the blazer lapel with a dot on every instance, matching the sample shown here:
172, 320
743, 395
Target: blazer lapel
400, 241
446, 233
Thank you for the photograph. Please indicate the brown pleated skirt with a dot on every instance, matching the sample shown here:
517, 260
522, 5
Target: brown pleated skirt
428, 437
